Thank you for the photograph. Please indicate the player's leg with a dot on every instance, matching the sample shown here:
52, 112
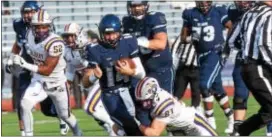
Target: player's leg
118, 111
223, 100
33, 95
48, 109
24, 81
209, 68
60, 98
94, 107
181, 82
241, 94
203, 126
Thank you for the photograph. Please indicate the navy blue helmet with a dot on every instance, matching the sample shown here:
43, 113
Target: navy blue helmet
137, 8
203, 6
109, 23
29, 6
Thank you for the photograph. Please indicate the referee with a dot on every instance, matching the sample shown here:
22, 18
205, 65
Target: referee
255, 31
187, 71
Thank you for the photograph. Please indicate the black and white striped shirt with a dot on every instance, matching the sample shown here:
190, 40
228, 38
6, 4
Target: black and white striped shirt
184, 53
255, 31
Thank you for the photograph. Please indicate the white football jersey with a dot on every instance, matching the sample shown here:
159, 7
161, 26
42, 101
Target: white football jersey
74, 62
172, 112
53, 45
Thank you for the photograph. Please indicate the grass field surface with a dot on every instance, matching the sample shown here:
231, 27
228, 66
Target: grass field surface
47, 126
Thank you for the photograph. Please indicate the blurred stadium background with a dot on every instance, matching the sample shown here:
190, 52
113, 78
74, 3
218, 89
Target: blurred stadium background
88, 14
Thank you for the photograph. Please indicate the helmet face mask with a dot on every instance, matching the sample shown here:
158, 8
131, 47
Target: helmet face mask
70, 40
28, 9
110, 30
41, 24
243, 5
41, 32
146, 90
204, 6
137, 9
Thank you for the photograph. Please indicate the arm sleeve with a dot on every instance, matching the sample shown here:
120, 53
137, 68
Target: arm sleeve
186, 18
223, 14
91, 57
159, 23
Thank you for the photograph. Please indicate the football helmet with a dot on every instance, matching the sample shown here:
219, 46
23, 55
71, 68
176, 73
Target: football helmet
137, 8
203, 6
41, 24
27, 10
70, 34
109, 24
145, 91
243, 5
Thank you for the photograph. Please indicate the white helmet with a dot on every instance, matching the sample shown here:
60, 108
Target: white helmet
146, 89
41, 18
72, 28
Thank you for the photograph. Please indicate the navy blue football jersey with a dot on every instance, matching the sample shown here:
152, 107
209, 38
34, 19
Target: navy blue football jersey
105, 57
210, 26
151, 24
20, 28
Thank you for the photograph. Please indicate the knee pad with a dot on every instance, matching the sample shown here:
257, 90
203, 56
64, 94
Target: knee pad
239, 103
205, 93
221, 98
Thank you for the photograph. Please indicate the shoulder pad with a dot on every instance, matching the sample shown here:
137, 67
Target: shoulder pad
126, 36
164, 106
152, 13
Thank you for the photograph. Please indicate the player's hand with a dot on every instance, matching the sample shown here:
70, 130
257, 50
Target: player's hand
223, 59
124, 68
143, 42
97, 71
195, 37
9, 66
18, 60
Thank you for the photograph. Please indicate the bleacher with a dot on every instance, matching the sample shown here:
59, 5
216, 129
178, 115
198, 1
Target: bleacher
87, 14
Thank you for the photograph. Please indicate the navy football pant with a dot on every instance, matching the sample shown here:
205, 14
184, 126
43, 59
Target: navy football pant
240, 90
210, 73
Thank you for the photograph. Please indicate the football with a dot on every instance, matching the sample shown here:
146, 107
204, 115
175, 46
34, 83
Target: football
129, 61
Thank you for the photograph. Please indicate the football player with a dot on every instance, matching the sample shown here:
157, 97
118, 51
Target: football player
76, 41
150, 28
203, 26
114, 76
21, 25
46, 50
168, 113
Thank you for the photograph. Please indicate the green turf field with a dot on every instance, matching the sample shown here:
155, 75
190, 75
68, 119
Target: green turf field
46, 126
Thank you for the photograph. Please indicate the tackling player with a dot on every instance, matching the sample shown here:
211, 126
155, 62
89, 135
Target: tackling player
46, 50
168, 113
